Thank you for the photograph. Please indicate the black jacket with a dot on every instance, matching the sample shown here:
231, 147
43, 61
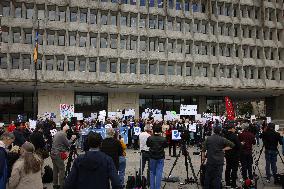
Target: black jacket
156, 146
19, 137
112, 147
37, 140
234, 153
92, 170
271, 139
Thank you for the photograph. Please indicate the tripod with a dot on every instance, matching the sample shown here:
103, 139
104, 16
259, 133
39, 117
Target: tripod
187, 160
256, 166
73, 153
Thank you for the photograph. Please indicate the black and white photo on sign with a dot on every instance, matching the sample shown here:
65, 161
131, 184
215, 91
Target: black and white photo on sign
188, 109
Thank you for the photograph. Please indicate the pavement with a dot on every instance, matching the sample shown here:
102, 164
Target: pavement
132, 165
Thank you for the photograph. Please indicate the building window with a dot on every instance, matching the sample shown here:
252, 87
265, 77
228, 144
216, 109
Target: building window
161, 23
40, 37
5, 34
73, 15
123, 20
113, 66
16, 35
142, 2
39, 62
151, 44
93, 17
28, 36
179, 47
161, 45
49, 63
29, 11
113, 19
179, 69
15, 62
187, 48
6, 8
133, 43
133, 21
92, 65
82, 65
18, 11
103, 42
123, 40
188, 70
133, 68
143, 68
60, 64
113, 42
83, 16
123, 67
171, 69
61, 38
93, 41
62, 14
71, 64
152, 22
50, 38
72, 39
26, 62
142, 21
178, 26
104, 19
51, 13
40, 12
83, 40
3, 61
152, 68
162, 69
170, 46
103, 65
142, 44
170, 24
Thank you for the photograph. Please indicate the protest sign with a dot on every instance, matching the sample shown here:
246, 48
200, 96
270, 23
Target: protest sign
94, 116
123, 131
276, 128
192, 127
137, 130
188, 109
108, 126
102, 113
79, 116
32, 124
66, 111
197, 117
268, 120
130, 112
53, 132
111, 115
176, 135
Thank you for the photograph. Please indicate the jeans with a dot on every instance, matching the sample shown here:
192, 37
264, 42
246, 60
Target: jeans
156, 171
246, 162
121, 170
213, 177
58, 170
231, 171
271, 159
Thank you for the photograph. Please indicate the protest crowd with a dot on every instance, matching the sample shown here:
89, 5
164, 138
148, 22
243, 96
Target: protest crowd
91, 153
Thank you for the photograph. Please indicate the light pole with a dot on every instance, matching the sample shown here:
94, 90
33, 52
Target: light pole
35, 95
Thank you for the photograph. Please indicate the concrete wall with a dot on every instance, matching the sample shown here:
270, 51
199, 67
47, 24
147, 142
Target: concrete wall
49, 101
123, 101
275, 107
202, 104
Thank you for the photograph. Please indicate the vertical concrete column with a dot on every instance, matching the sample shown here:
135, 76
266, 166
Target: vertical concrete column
50, 100
202, 104
123, 101
275, 107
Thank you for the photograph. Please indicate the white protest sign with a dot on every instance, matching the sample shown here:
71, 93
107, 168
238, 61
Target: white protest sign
207, 115
137, 130
79, 116
102, 118
102, 113
216, 117
252, 117
94, 115
176, 135
130, 112
276, 127
66, 111
119, 114
53, 132
192, 127
1, 124
32, 124
188, 109
145, 115
268, 120
111, 115
198, 117
158, 117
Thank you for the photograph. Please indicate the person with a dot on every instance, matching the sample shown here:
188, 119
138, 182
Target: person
283, 142
122, 161
232, 157
156, 144
37, 140
6, 139
94, 169
26, 172
144, 149
271, 139
247, 140
11, 127
112, 147
19, 135
59, 150
215, 145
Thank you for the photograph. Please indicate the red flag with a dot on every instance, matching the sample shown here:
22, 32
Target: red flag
229, 109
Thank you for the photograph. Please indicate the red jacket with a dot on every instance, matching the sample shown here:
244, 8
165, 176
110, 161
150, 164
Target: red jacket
11, 128
248, 139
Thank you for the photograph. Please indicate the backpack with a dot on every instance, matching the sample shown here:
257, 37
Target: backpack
48, 175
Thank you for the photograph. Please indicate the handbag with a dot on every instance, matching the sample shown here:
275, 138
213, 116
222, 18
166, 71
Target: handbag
63, 155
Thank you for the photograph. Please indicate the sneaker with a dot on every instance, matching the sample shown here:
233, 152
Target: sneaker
268, 180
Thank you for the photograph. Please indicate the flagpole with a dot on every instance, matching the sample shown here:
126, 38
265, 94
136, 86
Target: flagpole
35, 68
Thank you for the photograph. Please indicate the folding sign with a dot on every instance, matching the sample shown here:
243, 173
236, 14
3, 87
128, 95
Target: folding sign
188, 109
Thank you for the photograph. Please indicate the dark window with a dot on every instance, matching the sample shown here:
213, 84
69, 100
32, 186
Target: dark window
29, 12
83, 16
133, 68
82, 65
18, 11
152, 68
82, 41
143, 68
73, 15
92, 65
93, 17
28, 36
71, 64
161, 69
50, 38
171, 69
3, 61
5, 35
6, 8
15, 62
16, 37
26, 62
72, 39
123, 67
113, 67
49, 63
61, 39
60, 64
62, 14
104, 19
103, 65
51, 14
93, 42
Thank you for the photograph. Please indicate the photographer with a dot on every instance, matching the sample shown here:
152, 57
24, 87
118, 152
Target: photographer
215, 146
59, 153
271, 138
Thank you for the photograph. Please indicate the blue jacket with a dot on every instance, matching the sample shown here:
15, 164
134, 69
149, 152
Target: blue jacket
93, 170
3, 168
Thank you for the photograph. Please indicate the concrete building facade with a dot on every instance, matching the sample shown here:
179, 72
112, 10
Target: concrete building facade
117, 54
